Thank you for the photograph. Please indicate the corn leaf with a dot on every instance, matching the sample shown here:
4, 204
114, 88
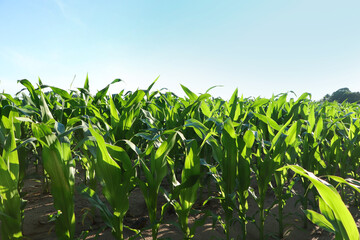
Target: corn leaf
330, 196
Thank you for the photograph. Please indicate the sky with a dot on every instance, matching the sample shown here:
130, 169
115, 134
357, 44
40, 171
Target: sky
260, 47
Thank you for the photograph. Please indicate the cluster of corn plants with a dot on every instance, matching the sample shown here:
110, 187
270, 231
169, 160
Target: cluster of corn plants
175, 146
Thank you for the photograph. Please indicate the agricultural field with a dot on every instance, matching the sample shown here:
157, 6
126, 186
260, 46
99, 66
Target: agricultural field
150, 164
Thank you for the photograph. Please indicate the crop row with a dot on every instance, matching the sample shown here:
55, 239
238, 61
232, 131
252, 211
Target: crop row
151, 139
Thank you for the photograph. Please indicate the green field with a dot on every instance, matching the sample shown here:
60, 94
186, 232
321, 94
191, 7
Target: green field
175, 147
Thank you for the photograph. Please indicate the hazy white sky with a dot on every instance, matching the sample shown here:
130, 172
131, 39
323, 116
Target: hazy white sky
261, 47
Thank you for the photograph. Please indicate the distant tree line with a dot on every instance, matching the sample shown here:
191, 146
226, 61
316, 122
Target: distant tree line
341, 95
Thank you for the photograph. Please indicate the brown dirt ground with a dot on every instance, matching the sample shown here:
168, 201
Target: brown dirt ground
40, 205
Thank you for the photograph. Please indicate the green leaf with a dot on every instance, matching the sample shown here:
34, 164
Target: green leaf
159, 163
249, 138
190, 94
332, 199
116, 80
24, 119
318, 128
44, 109
114, 113
268, 121
150, 87
86, 84
102, 93
281, 130
135, 98
350, 182
292, 133
188, 196
8, 96
311, 119
259, 102
199, 128
229, 162
208, 90
9, 155
302, 97
319, 220
120, 155
10, 207
95, 200
60, 166
31, 90
64, 94
234, 108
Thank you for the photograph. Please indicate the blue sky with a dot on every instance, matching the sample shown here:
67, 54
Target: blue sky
260, 47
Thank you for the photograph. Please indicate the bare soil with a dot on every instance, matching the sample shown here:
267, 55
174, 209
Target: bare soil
88, 226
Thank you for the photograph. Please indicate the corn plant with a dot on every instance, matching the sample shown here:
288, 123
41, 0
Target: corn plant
154, 175
231, 139
58, 163
60, 166
269, 157
123, 123
117, 175
21, 130
10, 207
334, 217
244, 143
225, 177
185, 194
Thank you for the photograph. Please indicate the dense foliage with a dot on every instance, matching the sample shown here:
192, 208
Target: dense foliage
173, 146
343, 94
